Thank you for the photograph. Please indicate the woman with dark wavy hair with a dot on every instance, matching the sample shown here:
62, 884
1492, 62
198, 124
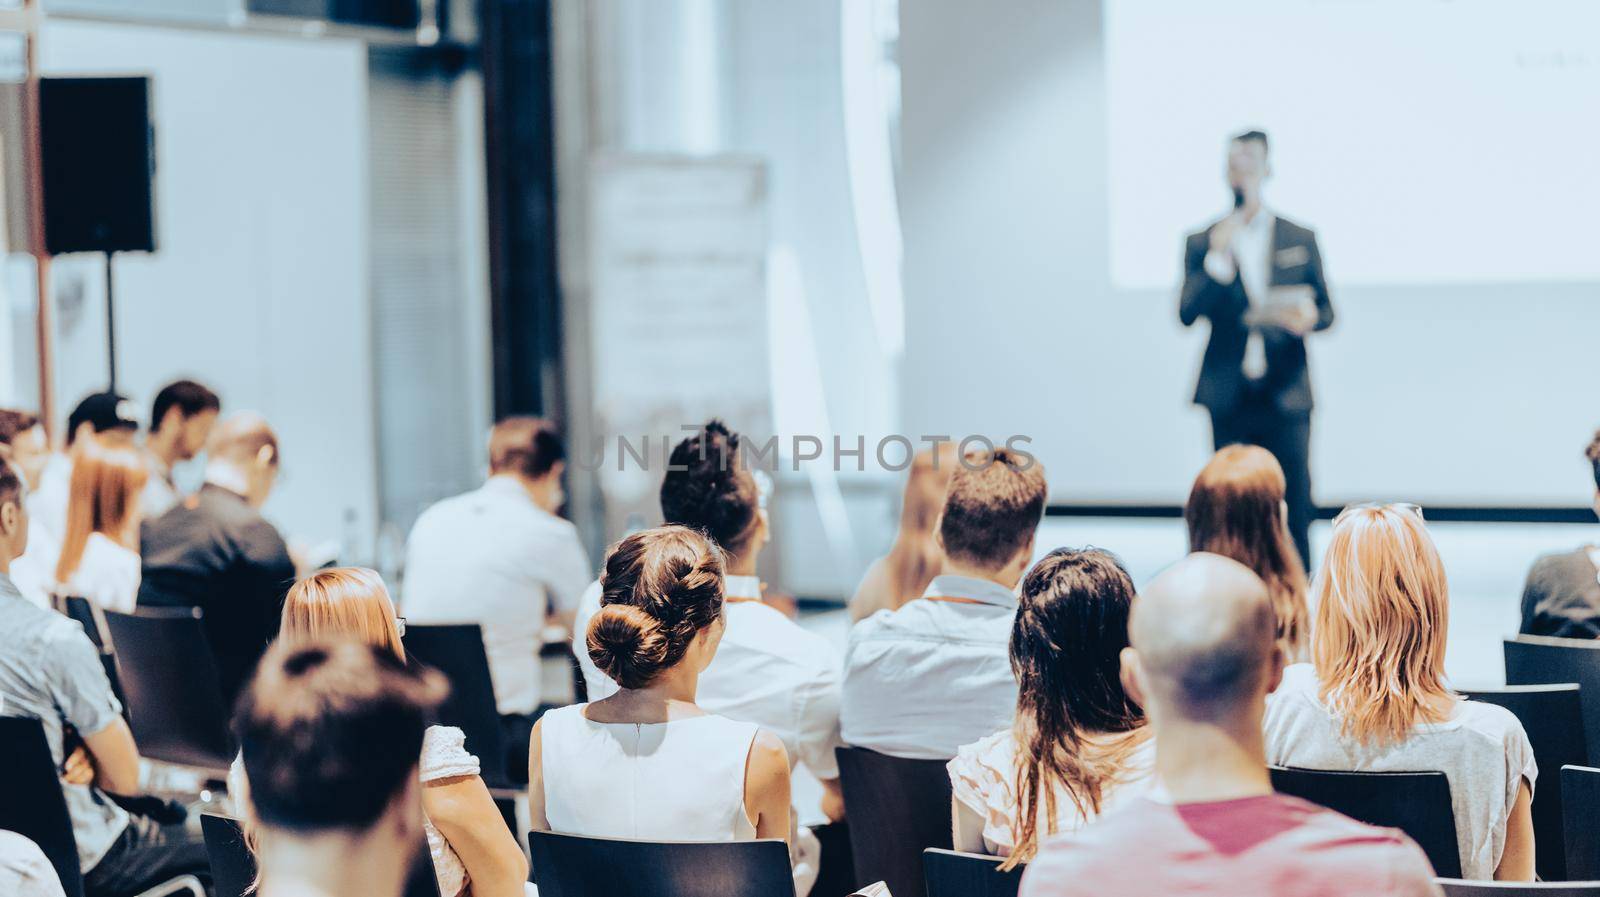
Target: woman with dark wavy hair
1079, 745
647, 762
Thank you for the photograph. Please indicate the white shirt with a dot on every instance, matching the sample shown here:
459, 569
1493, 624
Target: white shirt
924, 680
160, 492
1482, 749
675, 781
107, 574
35, 572
48, 503
768, 670
1251, 260
494, 558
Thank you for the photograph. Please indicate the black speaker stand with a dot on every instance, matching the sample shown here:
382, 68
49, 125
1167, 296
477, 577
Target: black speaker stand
111, 324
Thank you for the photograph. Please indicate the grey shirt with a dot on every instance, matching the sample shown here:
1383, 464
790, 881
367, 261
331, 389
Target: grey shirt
24, 869
1482, 749
50, 671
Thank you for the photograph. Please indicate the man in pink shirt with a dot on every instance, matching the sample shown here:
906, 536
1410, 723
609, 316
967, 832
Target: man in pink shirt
1204, 656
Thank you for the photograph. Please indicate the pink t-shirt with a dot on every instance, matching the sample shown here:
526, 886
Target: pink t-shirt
1271, 846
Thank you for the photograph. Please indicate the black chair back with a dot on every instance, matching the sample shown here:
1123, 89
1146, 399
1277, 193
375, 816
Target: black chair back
572, 866
1580, 790
30, 798
1541, 660
1417, 803
174, 698
897, 808
951, 873
1552, 715
93, 620
456, 650
1455, 887
233, 866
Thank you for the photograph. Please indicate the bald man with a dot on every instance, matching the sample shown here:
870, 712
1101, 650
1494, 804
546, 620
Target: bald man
216, 552
1203, 657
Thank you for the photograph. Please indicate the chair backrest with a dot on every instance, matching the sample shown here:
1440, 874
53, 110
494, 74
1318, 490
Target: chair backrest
1552, 716
897, 808
30, 798
456, 650
1541, 660
1455, 887
951, 873
174, 698
1417, 803
93, 620
1580, 792
573, 866
233, 866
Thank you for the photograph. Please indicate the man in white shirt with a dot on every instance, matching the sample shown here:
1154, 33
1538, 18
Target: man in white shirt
500, 557
181, 419
1258, 278
923, 680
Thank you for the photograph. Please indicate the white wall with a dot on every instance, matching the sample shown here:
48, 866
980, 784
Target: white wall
259, 287
1479, 394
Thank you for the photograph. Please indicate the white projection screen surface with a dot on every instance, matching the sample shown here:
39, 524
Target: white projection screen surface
1430, 141
1445, 153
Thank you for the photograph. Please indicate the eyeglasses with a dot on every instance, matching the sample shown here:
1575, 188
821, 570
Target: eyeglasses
1405, 507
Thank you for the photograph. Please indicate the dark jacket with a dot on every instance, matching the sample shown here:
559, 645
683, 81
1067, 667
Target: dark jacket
1295, 261
1562, 596
216, 552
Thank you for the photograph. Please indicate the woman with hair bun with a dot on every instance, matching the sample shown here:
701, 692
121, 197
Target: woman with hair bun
647, 763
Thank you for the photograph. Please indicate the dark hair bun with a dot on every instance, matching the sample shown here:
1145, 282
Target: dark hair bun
707, 487
660, 588
627, 644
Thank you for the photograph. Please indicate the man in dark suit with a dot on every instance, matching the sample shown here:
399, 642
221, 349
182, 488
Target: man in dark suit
216, 552
1258, 278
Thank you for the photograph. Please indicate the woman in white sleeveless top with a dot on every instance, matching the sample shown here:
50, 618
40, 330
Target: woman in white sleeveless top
646, 763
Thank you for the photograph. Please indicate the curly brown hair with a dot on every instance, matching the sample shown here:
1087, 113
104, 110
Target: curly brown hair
660, 588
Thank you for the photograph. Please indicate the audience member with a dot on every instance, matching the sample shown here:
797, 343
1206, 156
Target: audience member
768, 670
23, 440
216, 552
933, 675
22, 433
181, 419
1079, 746
105, 415
500, 557
329, 736
24, 869
473, 851
50, 671
915, 556
99, 557
1204, 655
648, 762
1374, 698
1237, 509
1562, 595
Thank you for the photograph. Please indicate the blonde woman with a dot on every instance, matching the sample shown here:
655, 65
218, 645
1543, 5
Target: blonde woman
473, 851
1237, 509
99, 557
1374, 698
912, 561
